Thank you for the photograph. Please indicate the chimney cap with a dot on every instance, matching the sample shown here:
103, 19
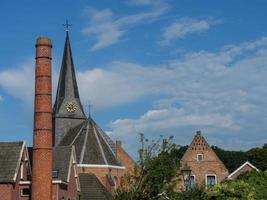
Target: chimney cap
43, 41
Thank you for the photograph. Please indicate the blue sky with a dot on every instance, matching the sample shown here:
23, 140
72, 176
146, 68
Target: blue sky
160, 67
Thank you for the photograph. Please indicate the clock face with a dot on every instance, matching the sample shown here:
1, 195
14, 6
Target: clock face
71, 107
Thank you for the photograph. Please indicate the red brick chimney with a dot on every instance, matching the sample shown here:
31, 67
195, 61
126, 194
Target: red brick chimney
42, 136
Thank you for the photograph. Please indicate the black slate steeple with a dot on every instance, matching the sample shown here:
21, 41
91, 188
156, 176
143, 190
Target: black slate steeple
68, 110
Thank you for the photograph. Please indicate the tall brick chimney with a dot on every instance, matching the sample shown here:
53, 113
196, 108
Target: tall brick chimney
42, 133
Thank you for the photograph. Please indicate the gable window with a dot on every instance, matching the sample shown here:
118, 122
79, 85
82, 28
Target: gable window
25, 192
211, 180
200, 157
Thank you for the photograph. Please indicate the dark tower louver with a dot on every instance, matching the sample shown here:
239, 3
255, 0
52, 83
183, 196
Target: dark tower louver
68, 110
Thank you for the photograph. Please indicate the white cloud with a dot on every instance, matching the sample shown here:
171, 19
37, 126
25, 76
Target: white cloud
164, 119
184, 27
223, 93
108, 29
220, 92
1, 98
122, 83
19, 81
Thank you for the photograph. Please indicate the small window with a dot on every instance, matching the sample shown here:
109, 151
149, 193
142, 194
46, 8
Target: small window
200, 157
25, 192
211, 180
192, 180
55, 173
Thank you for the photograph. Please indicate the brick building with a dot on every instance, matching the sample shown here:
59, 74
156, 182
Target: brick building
16, 172
206, 167
72, 157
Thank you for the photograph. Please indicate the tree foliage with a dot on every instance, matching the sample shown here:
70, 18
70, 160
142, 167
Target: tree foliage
154, 178
156, 175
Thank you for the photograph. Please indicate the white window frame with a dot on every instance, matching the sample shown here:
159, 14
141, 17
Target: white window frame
24, 195
211, 175
201, 155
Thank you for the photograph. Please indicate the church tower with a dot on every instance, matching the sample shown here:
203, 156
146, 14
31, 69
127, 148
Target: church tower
68, 111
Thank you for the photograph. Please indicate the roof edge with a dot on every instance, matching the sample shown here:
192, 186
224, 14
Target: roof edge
243, 165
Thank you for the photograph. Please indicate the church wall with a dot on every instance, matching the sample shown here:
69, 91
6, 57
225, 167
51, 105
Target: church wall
125, 159
101, 174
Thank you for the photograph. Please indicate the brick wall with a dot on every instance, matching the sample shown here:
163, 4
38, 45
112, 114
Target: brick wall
124, 158
6, 191
69, 192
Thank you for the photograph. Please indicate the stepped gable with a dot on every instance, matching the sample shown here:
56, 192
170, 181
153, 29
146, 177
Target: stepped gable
10, 157
91, 188
93, 146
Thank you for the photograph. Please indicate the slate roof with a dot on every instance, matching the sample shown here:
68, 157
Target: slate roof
92, 144
61, 161
92, 189
10, 156
67, 85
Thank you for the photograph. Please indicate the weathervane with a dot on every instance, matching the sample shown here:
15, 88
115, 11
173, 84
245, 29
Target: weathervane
89, 106
67, 25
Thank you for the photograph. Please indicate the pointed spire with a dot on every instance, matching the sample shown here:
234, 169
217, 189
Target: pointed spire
67, 84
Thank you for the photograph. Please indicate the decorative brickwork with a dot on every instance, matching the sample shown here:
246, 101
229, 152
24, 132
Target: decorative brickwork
203, 162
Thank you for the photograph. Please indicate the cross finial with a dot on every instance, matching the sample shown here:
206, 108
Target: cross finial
89, 107
67, 25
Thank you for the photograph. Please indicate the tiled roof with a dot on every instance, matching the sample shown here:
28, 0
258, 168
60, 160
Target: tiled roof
92, 189
92, 145
10, 156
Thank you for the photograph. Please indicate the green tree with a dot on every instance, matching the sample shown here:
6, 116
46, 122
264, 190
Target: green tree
257, 181
154, 178
258, 157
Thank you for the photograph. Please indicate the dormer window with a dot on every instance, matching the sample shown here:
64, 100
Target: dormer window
200, 157
55, 173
